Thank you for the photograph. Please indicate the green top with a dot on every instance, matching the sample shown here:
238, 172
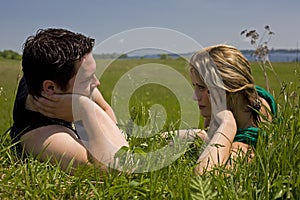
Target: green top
249, 135
268, 97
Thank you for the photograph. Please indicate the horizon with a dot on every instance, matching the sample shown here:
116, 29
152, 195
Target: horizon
242, 50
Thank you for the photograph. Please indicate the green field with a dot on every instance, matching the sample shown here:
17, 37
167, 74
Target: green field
9, 73
273, 174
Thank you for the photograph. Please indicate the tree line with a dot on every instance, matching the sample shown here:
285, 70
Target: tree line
10, 54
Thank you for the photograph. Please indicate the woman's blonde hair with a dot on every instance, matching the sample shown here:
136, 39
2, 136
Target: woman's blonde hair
225, 67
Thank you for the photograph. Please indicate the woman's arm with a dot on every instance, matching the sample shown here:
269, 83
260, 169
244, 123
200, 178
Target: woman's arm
218, 149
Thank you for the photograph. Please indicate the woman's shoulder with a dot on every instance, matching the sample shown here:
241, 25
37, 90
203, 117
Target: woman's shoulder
265, 109
267, 99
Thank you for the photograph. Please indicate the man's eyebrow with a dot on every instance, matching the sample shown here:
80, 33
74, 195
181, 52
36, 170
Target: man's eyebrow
88, 77
91, 76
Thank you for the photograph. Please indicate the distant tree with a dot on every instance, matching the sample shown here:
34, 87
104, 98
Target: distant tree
106, 56
123, 56
10, 54
164, 56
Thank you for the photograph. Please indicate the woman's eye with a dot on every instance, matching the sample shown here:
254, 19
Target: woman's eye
199, 86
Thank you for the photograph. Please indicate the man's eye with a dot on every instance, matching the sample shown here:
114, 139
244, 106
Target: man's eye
86, 80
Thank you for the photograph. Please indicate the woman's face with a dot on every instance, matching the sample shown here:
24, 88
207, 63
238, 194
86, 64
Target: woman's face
201, 94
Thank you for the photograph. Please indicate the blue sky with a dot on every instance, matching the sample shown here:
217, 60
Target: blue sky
208, 22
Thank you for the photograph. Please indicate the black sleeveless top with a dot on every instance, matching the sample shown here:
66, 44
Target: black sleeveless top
26, 120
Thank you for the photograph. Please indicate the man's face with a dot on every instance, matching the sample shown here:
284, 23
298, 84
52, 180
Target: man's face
85, 81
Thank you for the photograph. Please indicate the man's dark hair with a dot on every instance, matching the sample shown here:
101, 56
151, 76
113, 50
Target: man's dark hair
52, 54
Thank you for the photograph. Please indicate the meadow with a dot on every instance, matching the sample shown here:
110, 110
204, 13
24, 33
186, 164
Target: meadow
272, 174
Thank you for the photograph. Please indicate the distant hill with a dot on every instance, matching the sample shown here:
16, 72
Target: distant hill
275, 55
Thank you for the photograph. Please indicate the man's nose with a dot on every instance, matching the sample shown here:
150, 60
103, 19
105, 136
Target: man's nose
96, 81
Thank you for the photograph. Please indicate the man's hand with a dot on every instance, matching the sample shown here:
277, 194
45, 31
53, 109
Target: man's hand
55, 106
60, 105
98, 98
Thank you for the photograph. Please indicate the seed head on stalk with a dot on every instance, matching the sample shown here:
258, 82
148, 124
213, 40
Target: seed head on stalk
261, 52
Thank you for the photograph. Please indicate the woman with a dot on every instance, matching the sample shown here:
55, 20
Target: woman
231, 103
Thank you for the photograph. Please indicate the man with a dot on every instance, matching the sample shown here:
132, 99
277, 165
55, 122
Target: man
58, 65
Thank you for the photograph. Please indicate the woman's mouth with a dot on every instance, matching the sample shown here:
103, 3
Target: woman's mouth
201, 107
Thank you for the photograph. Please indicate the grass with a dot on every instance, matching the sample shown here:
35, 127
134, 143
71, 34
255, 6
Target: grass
272, 174
9, 72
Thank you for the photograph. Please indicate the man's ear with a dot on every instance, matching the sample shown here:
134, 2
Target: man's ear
48, 87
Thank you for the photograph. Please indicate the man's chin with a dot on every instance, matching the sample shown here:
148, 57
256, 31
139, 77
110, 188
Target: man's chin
90, 95
82, 94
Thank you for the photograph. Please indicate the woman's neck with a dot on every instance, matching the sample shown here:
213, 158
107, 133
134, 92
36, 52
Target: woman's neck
243, 116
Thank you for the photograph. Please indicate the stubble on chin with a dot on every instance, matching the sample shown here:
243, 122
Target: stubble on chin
92, 95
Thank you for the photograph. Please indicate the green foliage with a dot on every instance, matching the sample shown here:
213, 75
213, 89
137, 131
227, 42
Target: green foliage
164, 56
123, 56
202, 189
272, 174
10, 54
9, 74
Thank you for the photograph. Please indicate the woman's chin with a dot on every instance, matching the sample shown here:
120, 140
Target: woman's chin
204, 114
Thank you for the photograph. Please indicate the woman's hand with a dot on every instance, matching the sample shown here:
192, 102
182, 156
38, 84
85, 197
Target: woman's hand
226, 122
188, 135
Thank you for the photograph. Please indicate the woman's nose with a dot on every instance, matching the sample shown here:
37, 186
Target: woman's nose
195, 97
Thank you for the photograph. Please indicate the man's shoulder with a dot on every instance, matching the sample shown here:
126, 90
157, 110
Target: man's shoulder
52, 130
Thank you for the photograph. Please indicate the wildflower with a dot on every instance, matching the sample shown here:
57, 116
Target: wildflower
261, 52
